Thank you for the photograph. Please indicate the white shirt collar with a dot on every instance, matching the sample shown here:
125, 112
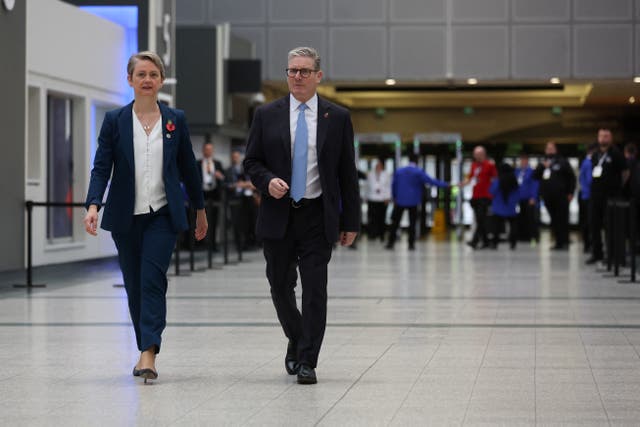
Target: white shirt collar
312, 104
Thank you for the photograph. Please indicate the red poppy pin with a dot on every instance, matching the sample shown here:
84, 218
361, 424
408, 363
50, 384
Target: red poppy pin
170, 126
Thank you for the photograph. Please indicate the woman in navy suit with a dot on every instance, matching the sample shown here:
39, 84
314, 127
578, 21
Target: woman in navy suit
147, 146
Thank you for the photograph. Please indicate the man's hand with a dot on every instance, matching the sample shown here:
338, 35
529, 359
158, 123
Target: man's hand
219, 175
347, 237
278, 188
91, 220
201, 224
570, 197
532, 202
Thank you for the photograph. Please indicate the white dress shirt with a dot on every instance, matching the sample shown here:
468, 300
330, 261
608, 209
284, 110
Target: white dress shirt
209, 176
147, 154
378, 186
314, 188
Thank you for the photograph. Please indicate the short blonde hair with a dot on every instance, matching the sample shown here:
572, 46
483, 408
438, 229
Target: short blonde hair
145, 55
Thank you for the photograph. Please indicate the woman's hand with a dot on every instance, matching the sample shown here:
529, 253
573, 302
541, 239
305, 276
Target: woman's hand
201, 224
91, 220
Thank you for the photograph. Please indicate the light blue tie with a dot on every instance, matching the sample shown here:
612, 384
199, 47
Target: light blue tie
299, 166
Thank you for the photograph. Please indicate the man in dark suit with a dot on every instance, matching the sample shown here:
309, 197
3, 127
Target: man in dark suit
557, 185
300, 156
212, 178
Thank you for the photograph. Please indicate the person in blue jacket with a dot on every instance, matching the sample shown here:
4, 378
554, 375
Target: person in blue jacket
406, 189
529, 201
584, 179
504, 205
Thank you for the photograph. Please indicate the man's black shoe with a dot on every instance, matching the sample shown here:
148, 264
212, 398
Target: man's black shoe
291, 360
306, 375
593, 260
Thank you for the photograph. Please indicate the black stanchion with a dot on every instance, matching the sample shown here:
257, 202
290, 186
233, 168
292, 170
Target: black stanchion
225, 219
633, 242
609, 225
29, 283
192, 243
176, 260
29, 205
211, 238
615, 237
618, 236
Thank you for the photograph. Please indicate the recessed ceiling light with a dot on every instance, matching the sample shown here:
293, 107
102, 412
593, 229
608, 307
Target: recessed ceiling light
632, 100
472, 81
554, 80
636, 79
390, 82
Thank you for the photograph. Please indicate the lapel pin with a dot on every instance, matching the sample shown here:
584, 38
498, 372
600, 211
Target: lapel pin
326, 115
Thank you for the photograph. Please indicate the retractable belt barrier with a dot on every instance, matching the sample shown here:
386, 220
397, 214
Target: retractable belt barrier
225, 204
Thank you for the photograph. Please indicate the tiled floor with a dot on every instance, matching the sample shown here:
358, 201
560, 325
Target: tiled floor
439, 336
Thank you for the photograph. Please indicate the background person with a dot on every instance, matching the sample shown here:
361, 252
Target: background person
482, 172
378, 196
557, 185
584, 179
504, 205
610, 171
528, 217
407, 188
212, 178
244, 212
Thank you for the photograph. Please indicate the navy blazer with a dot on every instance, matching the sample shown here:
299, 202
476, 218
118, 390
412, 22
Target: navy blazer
115, 152
268, 156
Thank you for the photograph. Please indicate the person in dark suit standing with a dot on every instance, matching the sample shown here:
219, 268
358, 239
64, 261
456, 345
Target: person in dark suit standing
608, 174
300, 156
243, 212
147, 146
212, 178
557, 185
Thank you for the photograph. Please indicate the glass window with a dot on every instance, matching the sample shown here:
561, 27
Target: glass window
59, 166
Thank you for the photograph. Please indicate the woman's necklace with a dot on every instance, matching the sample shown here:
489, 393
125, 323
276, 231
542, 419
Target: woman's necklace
146, 124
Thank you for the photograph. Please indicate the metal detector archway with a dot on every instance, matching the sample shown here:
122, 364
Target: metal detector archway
393, 139
443, 171
393, 142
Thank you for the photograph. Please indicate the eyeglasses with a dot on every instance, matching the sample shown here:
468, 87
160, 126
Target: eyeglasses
304, 72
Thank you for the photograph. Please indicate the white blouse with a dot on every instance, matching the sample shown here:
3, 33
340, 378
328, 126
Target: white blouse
147, 153
378, 186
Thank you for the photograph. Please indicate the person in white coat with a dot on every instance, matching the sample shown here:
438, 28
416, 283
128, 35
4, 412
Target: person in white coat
378, 197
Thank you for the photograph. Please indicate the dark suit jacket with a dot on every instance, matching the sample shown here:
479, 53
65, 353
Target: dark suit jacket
268, 156
115, 152
220, 182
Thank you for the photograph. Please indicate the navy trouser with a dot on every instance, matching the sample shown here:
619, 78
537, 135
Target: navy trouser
305, 246
144, 254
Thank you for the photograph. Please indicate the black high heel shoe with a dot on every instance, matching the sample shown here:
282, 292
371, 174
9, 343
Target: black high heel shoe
136, 372
148, 374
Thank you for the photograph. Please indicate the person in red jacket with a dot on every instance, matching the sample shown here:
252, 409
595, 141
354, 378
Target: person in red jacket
482, 172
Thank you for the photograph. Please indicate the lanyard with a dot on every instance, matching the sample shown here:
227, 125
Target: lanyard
602, 159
